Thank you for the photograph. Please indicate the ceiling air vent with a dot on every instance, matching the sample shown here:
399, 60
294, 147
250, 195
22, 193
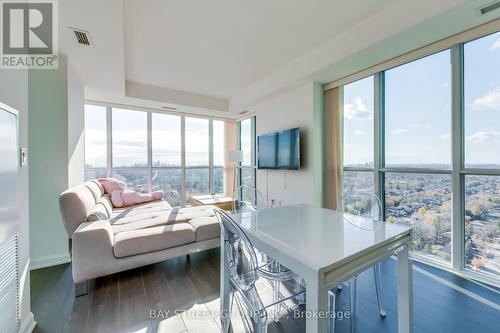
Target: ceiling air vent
489, 8
82, 36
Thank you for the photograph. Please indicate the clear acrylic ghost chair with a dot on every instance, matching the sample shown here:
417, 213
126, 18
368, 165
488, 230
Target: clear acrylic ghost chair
250, 199
355, 204
244, 271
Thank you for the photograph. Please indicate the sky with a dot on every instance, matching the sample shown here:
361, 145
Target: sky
129, 137
418, 110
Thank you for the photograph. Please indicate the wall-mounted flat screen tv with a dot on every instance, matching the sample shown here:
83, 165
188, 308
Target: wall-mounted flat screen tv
279, 150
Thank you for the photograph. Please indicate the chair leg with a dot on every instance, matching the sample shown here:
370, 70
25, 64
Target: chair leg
354, 305
378, 289
301, 299
226, 322
261, 325
331, 309
81, 288
276, 298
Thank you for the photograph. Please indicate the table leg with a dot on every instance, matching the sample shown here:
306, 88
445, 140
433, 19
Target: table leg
224, 288
316, 309
405, 292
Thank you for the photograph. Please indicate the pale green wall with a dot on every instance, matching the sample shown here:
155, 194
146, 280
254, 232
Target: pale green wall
48, 163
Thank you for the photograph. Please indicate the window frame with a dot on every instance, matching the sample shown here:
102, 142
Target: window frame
253, 143
149, 168
457, 170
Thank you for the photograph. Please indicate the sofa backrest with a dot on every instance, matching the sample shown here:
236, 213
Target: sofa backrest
77, 202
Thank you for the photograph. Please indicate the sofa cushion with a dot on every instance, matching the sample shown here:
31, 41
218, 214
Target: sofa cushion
96, 188
75, 205
205, 228
99, 213
146, 216
129, 243
152, 206
106, 201
102, 210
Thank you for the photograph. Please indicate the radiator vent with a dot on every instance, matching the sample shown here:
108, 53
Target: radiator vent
489, 8
9, 286
82, 37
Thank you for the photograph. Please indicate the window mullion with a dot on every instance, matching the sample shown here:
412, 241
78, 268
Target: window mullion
109, 141
379, 133
211, 178
457, 126
238, 147
149, 133
183, 161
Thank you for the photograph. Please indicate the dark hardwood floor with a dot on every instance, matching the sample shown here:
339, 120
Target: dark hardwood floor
187, 293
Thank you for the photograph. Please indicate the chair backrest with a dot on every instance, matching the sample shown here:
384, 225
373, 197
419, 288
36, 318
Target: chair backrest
363, 203
248, 197
239, 252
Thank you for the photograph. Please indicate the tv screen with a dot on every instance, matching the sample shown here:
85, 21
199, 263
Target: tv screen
267, 146
280, 150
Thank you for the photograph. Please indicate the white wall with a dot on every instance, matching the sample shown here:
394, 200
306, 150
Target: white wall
76, 144
294, 108
14, 92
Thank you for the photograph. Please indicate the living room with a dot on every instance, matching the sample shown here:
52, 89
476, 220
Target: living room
154, 138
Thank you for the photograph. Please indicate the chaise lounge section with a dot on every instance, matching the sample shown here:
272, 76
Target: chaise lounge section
107, 240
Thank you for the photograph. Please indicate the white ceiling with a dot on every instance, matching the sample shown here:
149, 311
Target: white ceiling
200, 55
219, 47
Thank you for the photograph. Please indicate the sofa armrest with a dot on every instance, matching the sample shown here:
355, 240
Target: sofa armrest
92, 249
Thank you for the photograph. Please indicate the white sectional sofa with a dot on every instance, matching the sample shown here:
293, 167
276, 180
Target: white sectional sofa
107, 240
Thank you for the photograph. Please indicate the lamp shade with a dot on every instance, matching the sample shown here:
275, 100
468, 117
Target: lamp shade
236, 156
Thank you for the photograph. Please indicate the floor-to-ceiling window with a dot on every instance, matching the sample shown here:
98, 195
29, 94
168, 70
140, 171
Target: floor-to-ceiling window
425, 136
418, 151
218, 153
96, 155
481, 169
358, 157
129, 136
180, 155
246, 143
197, 156
167, 172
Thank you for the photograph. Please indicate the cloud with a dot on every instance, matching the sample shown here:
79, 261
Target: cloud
420, 126
399, 131
357, 109
496, 45
483, 137
359, 132
445, 137
489, 101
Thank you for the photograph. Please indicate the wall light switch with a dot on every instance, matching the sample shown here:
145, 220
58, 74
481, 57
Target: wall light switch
23, 156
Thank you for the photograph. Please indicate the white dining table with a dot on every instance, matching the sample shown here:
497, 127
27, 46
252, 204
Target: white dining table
326, 248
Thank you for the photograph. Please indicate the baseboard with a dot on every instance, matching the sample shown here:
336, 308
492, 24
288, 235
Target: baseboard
28, 324
49, 261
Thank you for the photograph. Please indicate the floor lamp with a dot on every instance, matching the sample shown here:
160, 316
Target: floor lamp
235, 156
